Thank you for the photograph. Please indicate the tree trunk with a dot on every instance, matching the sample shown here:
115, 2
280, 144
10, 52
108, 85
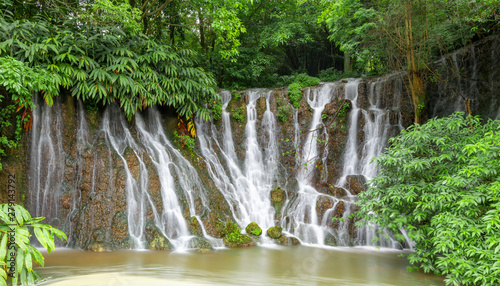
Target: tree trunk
414, 75
347, 62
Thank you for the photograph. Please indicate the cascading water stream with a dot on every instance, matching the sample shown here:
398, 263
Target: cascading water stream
247, 188
245, 183
377, 129
351, 157
300, 215
170, 164
119, 139
46, 161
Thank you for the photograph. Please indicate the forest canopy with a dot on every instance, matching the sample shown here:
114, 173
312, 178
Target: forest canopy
146, 52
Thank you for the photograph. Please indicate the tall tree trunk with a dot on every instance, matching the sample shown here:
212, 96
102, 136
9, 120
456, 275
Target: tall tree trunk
414, 75
347, 62
202, 33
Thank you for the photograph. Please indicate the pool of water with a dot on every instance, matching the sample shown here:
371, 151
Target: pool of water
245, 266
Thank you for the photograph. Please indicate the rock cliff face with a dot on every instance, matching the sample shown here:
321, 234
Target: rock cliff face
112, 184
471, 73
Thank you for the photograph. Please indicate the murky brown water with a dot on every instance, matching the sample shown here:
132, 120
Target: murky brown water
249, 266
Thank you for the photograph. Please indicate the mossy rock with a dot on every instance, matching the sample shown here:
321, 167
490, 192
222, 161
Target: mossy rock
200, 243
238, 240
274, 232
288, 241
205, 250
96, 246
159, 242
253, 228
224, 229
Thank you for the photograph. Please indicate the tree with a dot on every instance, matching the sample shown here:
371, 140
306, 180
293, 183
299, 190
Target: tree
106, 59
281, 38
407, 34
441, 182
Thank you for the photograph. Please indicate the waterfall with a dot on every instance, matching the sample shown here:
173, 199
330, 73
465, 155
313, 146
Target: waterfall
119, 139
175, 173
47, 163
163, 193
351, 158
300, 214
381, 120
245, 185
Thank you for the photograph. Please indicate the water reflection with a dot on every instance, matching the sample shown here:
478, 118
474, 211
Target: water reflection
250, 266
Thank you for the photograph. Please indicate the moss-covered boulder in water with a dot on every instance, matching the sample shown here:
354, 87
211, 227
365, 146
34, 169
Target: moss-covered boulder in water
253, 228
274, 232
159, 242
288, 241
97, 246
231, 233
238, 240
224, 229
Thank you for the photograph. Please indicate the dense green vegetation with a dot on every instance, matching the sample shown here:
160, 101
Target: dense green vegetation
441, 182
16, 253
381, 35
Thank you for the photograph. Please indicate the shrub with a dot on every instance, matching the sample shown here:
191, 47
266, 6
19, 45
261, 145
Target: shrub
238, 115
216, 111
295, 88
441, 182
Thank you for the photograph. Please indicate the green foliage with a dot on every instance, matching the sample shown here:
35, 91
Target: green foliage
237, 96
231, 233
185, 141
238, 115
283, 110
375, 33
441, 182
216, 110
15, 223
295, 94
119, 13
351, 24
102, 63
295, 88
282, 37
344, 109
19, 81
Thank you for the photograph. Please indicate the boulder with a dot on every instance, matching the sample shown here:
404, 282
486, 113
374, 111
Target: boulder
274, 232
253, 228
200, 243
355, 184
